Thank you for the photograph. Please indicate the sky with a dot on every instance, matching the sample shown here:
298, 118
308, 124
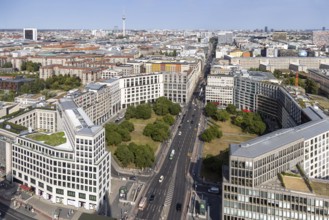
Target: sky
165, 14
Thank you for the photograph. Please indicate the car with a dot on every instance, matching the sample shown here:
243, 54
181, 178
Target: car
192, 122
151, 198
178, 207
188, 121
214, 190
179, 133
161, 179
133, 178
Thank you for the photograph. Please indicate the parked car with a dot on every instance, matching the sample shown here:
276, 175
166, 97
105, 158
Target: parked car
161, 179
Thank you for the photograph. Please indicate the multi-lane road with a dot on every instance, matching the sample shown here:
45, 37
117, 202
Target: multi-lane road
172, 190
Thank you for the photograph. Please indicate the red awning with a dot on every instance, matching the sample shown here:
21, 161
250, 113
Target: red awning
24, 187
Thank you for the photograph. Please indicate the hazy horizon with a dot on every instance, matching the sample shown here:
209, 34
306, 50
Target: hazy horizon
170, 14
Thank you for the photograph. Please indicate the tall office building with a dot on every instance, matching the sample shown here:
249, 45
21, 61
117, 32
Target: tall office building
72, 167
279, 175
323, 28
30, 34
266, 29
276, 176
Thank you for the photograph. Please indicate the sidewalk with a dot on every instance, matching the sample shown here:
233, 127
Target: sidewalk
48, 208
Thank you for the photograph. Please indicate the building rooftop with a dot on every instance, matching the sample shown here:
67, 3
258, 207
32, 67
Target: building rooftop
79, 119
94, 86
272, 141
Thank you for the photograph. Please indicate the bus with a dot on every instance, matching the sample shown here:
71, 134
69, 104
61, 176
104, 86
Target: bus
171, 156
142, 203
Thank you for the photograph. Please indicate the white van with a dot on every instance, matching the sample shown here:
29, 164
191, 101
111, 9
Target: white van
213, 190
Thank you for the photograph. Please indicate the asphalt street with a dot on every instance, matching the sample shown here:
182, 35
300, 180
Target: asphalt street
10, 214
173, 188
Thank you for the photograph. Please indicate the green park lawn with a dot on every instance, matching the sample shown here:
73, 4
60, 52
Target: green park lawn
54, 139
137, 135
232, 134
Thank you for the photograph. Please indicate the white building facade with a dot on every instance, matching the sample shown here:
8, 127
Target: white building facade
219, 89
75, 173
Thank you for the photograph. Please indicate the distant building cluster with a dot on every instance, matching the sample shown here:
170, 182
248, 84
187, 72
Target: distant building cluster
321, 38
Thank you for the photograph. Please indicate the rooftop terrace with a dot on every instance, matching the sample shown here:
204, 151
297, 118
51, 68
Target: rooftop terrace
54, 139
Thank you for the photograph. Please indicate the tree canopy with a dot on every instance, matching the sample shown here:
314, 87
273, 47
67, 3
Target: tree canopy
30, 66
210, 109
115, 134
7, 65
140, 155
211, 133
164, 106
158, 130
143, 111
250, 122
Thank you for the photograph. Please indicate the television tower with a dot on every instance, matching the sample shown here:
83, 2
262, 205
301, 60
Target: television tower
123, 25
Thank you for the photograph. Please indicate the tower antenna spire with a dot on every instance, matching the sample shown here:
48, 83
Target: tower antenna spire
123, 24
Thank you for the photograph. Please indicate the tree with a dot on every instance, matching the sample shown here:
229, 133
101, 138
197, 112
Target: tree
210, 109
130, 112
170, 120
148, 130
215, 132
143, 111
161, 106
127, 125
113, 138
221, 115
277, 73
144, 156
125, 135
311, 86
174, 109
158, 131
174, 53
231, 109
30, 66
124, 155
207, 136
7, 65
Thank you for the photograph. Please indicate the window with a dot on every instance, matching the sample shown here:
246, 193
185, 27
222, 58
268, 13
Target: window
32, 180
71, 193
92, 198
60, 191
50, 189
41, 184
82, 196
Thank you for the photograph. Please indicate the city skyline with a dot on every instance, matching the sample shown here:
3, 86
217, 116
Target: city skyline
155, 14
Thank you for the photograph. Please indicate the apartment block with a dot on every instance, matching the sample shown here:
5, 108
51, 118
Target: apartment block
140, 89
272, 63
87, 75
219, 89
